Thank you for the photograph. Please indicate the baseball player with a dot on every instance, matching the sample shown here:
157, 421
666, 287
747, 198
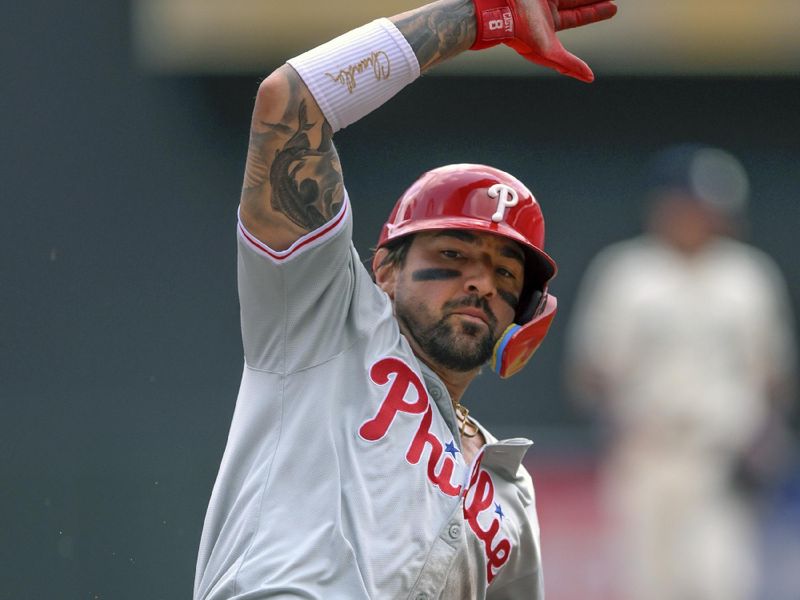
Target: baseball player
353, 470
682, 343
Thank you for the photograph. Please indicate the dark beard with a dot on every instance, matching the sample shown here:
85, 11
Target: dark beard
439, 340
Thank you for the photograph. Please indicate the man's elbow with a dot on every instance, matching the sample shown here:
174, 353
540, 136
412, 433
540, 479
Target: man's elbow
273, 93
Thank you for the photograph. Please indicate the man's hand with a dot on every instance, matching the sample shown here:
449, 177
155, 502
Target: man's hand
539, 20
533, 34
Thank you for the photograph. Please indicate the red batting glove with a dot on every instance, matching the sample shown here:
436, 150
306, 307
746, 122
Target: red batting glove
529, 27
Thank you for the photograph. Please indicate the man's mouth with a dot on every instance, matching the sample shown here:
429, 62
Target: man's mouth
473, 314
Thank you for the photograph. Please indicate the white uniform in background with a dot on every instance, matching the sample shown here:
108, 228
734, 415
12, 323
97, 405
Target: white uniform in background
687, 348
342, 478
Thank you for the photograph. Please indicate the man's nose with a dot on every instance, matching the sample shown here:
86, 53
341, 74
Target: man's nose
480, 279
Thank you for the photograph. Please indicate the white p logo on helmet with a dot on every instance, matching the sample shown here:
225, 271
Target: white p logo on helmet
507, 197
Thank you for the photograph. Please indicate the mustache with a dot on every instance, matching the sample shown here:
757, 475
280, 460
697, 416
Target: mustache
473, 302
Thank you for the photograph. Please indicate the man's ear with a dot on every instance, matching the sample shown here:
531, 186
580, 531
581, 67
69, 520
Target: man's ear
385, 272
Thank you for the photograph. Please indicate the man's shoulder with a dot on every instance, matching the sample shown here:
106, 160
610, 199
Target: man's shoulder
625, 255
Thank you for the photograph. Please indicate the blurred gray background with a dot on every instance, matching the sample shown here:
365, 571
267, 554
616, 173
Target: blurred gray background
119, 339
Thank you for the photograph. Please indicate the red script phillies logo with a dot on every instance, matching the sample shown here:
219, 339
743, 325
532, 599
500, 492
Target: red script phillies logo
407, 394
395, 402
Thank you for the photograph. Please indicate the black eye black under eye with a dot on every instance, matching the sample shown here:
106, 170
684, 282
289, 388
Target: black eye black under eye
510, 298
434, 274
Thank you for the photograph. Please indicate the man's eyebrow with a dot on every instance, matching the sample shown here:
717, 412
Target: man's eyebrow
508, 250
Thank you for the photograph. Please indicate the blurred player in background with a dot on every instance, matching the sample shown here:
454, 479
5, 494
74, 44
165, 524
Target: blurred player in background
352, 469
681, 342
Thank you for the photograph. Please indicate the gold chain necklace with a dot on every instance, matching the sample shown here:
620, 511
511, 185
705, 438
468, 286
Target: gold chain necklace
462, 412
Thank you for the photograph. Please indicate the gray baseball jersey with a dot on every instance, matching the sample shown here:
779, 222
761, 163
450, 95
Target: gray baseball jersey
343, 477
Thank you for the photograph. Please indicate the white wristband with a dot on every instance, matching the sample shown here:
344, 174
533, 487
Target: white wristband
357, 72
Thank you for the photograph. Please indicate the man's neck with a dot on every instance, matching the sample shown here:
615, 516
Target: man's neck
456, 382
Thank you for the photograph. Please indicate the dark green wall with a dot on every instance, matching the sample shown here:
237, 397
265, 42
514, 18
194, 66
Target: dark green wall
119, 341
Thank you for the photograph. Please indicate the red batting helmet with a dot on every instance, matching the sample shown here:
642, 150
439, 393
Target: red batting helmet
481, 198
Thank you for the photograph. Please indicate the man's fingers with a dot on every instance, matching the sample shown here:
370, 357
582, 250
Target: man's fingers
561, 60
567, 4
569, 17
569, 64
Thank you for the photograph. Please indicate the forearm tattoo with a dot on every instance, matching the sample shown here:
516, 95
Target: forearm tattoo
439, 31
305, 181
292, 164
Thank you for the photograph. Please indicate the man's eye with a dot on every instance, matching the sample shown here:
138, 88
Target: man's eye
451, 253
506, 273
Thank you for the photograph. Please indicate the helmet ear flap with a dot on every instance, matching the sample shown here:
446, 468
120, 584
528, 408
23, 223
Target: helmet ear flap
519, 342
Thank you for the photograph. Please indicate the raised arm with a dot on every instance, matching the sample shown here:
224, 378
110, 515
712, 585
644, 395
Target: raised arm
293, 180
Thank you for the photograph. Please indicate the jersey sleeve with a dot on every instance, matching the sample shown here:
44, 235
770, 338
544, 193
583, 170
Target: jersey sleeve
294, 304
776, 322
